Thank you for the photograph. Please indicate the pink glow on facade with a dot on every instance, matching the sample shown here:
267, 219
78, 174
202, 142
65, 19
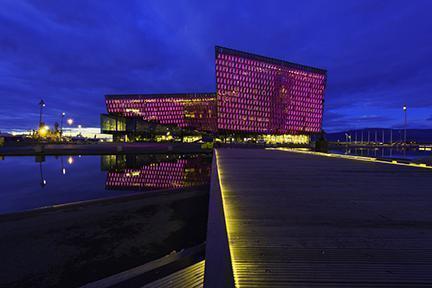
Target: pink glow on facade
263, 95
163, 175
196, 111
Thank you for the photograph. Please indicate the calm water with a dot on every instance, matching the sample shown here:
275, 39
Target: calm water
33, 182
386, 153
113, 237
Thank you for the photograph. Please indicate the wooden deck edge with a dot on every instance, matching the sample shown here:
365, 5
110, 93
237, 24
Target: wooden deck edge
192, 276
218, 269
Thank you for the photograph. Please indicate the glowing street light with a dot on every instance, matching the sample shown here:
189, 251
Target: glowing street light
63, 114
79, 130
69, 121
43, 131
347, 137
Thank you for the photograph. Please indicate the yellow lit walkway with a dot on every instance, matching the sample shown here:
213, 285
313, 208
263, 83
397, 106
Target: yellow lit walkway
299, 220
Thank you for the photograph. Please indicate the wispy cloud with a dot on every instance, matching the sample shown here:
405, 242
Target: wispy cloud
71, 53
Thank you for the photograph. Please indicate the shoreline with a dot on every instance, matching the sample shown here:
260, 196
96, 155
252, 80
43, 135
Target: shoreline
101, 149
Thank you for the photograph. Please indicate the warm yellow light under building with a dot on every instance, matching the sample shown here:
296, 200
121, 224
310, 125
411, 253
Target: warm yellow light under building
285, 139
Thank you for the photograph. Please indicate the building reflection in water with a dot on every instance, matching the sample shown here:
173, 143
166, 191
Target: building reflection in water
152, 172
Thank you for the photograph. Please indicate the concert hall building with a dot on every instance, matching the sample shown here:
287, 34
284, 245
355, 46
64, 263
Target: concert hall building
257, 99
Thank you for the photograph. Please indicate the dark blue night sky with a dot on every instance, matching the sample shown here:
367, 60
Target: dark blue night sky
70, 53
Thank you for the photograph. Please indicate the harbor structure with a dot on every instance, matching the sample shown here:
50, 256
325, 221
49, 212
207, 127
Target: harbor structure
257, 99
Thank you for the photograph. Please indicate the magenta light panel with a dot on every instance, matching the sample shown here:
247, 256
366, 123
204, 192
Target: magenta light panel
196, 110
265, 95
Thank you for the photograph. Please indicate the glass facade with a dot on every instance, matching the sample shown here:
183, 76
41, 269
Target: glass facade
112, 123
195, 110
255, 96
267, 96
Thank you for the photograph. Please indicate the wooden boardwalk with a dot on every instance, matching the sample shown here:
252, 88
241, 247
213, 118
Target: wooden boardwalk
301, 220
190, 277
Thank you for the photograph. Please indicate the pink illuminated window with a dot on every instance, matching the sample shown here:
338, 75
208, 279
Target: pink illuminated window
197, 111
258, 94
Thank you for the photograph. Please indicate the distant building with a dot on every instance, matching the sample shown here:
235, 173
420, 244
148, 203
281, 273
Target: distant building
147, 115
257, 99
6, 138
264, 95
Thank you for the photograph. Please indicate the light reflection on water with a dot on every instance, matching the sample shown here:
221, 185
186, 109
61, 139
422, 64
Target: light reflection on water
33, 182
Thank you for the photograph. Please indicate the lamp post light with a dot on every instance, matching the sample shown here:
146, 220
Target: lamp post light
43, 130
63, 114
69, 122
79, 129
405, 123
347, 138
41, 106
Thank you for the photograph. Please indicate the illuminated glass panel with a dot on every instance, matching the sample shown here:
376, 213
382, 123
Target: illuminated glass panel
264, 95
197, 111
112, 123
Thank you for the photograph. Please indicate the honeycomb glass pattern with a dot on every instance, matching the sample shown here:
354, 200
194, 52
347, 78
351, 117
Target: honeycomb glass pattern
264, 95
197, 111
163, 175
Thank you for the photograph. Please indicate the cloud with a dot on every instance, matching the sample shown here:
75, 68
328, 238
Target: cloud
71, 53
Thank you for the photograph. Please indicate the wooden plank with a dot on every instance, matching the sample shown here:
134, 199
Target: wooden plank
124, 276
190, 277
305, 220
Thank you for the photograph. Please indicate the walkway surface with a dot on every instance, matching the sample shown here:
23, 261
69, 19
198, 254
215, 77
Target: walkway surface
302, 220
190, 277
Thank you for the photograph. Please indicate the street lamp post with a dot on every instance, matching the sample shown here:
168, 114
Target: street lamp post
61, 123
405, 123
41, 105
